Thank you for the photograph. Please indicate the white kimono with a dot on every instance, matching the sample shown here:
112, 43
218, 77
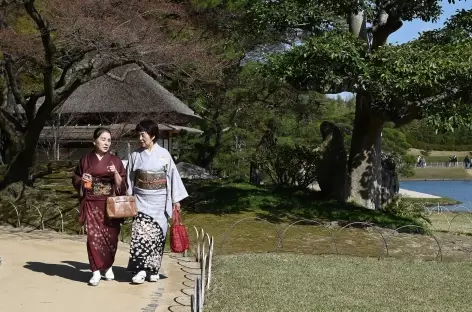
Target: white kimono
155, 203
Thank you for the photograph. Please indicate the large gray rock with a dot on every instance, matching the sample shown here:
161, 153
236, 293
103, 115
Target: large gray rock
390, 185
191, 171
332, 164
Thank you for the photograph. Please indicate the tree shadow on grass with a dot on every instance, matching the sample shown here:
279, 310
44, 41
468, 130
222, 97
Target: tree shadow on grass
277, 204
306, 204
221, 198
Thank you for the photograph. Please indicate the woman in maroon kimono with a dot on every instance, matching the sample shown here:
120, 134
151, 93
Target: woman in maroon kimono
99, 175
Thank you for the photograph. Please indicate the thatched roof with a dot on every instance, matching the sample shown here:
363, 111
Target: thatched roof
126, 89
118, 131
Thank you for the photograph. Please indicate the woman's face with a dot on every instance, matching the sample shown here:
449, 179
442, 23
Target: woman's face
103, 143
146, 140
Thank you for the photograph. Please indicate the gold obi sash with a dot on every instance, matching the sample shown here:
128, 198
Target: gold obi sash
101, 187
151, 180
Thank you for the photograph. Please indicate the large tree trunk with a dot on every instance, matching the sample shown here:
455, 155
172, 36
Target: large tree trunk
365, 156
208, 154
21, 167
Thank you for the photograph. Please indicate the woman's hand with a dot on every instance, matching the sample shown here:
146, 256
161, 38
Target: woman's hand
86, 178
116, 175
176, 206
112, 168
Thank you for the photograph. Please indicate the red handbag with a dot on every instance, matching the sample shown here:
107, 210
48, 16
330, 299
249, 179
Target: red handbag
179, 241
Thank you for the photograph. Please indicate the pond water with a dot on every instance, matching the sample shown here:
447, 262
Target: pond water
458, 190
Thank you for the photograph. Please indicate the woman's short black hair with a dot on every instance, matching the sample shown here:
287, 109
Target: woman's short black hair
150, 127
99, 131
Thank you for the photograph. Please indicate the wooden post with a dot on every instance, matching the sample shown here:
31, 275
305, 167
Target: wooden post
210, 258
197, 255
198, 292
203, 278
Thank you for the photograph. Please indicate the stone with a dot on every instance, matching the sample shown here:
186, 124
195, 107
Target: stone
332, 163
390, 185
191, 171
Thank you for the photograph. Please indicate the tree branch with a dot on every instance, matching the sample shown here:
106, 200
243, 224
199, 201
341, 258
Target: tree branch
11, 77
49, 51
384, 25
84, 73
357, 25
413, 112
10, 123
79, 55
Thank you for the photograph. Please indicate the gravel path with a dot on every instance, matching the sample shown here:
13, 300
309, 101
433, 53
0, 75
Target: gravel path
48, 271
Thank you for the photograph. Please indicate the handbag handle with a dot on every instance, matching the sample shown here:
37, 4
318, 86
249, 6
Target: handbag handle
115, 186
176, 219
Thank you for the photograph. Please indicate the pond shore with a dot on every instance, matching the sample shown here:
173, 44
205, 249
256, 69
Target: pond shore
413, 194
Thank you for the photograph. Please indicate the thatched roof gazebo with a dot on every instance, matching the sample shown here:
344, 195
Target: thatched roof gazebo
118, 132
127, 90
117, 101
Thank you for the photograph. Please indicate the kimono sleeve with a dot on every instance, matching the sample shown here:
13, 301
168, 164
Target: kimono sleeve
122, 190
130, 174
77, 176
178, 191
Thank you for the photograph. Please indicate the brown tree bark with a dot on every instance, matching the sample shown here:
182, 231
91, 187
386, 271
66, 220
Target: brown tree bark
364, 163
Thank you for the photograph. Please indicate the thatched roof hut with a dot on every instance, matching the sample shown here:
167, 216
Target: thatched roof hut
118, 132
126, 89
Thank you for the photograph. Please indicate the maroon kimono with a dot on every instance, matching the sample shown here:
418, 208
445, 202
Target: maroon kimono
102, 232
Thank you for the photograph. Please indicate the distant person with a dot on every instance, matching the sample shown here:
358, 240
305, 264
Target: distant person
98, 174
467, 162
154, 180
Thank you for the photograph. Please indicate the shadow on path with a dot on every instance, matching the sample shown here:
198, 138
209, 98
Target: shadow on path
74, 271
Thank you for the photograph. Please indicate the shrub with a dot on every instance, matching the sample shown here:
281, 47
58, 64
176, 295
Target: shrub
410, 209
292, 166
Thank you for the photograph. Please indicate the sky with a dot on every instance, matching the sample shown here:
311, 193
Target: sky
411, 30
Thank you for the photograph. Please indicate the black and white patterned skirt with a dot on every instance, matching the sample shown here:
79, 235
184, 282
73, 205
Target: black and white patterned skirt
147, 245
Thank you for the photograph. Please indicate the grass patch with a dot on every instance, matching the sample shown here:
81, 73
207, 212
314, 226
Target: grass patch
446, 154
280, 205
451, 222
52, 190
287, 282
427, 202
229, 212
439, 173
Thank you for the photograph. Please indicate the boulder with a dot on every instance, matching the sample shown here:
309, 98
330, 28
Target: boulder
191, 171
390, 185
332, 163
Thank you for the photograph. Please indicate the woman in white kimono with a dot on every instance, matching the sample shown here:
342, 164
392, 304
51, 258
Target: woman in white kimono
155, 182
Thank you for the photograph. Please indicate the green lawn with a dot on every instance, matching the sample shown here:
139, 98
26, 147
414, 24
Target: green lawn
459, 223
278, 205
289, 282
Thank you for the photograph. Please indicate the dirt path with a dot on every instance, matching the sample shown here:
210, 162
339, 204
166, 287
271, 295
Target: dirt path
48, 271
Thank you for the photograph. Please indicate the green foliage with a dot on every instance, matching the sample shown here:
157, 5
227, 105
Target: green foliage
394, 142
289, 166
435, 78
423, 135
327, 63
406, 208
428, 78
